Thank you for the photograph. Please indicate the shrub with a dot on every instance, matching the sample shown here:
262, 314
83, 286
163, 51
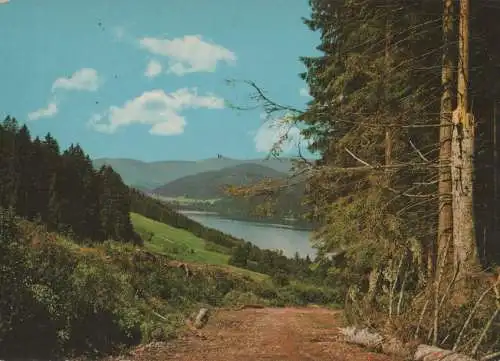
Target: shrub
58, 298
237, 298
303, 294
214, 247
54, 300
280, 279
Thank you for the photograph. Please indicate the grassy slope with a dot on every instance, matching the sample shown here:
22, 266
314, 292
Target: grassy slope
51, 272
166, 239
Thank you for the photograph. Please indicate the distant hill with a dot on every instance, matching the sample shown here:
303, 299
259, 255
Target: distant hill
151, 175
210, 185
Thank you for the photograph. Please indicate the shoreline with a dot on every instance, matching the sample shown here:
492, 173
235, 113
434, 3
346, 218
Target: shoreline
261, 222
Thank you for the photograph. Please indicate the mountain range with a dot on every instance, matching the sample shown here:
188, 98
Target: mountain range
199, 185
151, 175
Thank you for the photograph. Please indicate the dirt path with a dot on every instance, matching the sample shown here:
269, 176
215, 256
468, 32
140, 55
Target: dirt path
272, 334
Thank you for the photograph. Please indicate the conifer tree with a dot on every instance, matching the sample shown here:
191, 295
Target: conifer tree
63, 191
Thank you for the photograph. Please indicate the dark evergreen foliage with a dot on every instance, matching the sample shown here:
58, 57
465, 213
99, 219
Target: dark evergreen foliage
379, 73
62, 191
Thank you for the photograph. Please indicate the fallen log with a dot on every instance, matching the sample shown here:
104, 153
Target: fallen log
362, 337
432, 353
377, 342
392, 346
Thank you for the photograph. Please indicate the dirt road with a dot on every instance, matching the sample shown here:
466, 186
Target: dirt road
271, 334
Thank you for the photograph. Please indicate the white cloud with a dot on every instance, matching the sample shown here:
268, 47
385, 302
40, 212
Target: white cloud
154, 69
273, 132
47, 112
156, 108
4, 1
189, 54
83, 79
304, 92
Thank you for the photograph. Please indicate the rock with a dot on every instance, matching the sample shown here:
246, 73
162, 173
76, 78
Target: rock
201, 319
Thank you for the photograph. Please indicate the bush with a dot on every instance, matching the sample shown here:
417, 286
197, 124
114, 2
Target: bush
16, 298
214, 247
303, 294
239, 298
57, 298
280, 279
54, 300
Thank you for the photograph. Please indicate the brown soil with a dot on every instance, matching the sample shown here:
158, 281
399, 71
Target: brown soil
272, 334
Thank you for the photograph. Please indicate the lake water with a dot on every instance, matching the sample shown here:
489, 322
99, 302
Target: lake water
263, 235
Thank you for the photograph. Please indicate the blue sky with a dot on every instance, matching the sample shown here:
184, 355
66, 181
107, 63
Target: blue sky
146, 79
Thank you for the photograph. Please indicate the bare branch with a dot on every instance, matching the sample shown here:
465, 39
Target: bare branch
491, 356
418, 152
269, 105
469, 318
358, 159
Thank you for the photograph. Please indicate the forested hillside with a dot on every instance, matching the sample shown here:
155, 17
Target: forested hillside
212, 184
211, 192
286, 207
61, 189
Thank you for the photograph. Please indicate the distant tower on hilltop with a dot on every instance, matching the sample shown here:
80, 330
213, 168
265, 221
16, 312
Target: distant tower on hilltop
219, 156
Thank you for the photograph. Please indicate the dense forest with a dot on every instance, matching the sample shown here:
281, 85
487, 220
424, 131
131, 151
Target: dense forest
381, 119
61, 189
403, 113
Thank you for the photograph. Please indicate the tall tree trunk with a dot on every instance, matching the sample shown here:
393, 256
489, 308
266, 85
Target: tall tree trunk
496, 200
462, 169
374, 280
445, 222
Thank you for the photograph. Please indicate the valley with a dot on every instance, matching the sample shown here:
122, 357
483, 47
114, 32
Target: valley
234, 180
206, 190
91, 266
265, 235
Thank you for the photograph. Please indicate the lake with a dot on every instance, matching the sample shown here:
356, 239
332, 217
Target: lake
263, 235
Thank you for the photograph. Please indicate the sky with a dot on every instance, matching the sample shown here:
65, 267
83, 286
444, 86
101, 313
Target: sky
147, 79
